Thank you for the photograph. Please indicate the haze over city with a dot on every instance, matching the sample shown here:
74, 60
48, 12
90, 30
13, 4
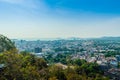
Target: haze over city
59, 39
59, 18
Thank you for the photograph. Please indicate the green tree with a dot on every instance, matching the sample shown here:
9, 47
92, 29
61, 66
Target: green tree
5, 44
58, 72
22, 67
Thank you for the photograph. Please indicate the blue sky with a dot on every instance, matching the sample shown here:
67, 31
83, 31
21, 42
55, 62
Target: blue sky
59, 18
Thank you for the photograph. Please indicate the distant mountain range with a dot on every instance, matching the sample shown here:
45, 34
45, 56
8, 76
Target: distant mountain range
70, 38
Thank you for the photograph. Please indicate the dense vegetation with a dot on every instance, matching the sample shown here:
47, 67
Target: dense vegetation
25, 66
5, 44
112, 53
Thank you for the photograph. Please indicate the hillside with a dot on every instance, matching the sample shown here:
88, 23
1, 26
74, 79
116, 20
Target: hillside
5, 44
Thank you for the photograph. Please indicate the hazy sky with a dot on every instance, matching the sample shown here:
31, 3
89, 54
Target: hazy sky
59, 18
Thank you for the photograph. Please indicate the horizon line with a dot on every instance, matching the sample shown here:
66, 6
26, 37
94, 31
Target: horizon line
60, 38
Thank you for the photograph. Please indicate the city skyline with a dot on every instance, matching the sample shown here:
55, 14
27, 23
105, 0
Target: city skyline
59, 18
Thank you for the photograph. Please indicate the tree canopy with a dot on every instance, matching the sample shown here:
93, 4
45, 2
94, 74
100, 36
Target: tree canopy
5, 44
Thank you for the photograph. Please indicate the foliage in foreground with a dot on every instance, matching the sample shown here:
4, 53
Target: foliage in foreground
5, 44
25, 66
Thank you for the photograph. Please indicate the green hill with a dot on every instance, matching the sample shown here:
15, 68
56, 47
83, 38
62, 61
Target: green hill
5, 44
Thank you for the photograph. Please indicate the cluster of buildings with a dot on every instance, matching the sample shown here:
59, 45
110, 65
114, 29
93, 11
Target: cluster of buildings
91, 50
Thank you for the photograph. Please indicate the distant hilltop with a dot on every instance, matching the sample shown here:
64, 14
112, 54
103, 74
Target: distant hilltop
110, 38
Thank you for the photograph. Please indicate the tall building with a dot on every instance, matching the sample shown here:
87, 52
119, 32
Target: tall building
38, 50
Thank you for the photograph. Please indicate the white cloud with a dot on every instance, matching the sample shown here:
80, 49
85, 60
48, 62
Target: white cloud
13, 1
24, 3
